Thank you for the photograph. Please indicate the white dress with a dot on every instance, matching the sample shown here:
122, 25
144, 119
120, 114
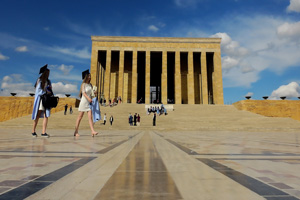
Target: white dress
84, 103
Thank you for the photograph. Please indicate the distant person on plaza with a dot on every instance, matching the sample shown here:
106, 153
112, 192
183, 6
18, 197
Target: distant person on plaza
86, 90
42, 86
111, 119
138, 120
154, 119
104, 119
71, 110
66, 108
104, 102
130, 119
134, 119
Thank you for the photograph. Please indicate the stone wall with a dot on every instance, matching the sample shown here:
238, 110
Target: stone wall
271, 108
13, 107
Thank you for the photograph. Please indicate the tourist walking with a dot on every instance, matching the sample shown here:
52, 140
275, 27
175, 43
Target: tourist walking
42, 86
66, 108
71, 110
104, 119
86, 90
154, 119
111, 119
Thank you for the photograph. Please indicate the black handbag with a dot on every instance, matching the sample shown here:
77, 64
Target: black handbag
49, 100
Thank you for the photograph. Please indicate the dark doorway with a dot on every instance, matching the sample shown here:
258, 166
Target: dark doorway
197, 72
141, 65
155, 77
128, 76
184, 71
101, 68
171, 77
210, 71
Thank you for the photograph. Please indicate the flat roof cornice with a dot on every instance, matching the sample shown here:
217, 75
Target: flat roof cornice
154, 39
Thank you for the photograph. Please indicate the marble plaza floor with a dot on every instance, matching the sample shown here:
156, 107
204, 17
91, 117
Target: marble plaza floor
150, 164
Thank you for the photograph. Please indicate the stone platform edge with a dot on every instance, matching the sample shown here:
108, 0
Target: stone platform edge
271, 108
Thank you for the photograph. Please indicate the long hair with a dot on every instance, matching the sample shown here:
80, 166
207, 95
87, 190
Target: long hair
43, 78
85, 80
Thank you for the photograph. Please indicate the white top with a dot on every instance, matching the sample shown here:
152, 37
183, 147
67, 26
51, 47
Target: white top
84, 103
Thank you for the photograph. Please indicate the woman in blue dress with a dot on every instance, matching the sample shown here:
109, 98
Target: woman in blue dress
42, 86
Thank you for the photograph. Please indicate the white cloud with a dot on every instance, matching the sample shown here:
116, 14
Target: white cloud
65, 68
289, 91
61, 89
14, 83
228, 62
294, 6
22, 49
249, 94
3, 57
153, 28
78, 55
81, 53
289, 31
230, 47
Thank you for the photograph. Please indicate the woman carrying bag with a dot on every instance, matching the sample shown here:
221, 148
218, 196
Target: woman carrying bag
42, 86
86, 91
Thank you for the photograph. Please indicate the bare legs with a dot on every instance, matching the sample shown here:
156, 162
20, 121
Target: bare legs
35, 122
78, 123
90, 123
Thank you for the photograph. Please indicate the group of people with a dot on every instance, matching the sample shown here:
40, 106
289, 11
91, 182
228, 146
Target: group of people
134, 120
43, 86
157, 110
111, 103
111, 119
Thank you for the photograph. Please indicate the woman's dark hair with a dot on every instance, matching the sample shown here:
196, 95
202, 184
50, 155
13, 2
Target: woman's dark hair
44, 78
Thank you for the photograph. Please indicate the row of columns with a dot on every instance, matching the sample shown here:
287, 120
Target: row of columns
218, 88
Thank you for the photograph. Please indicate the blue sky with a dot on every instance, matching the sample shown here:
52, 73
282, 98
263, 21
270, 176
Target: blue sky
260, 39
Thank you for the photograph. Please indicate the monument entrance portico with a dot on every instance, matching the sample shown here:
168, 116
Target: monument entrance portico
158, 70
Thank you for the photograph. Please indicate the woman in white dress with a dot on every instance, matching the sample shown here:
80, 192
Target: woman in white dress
86, 90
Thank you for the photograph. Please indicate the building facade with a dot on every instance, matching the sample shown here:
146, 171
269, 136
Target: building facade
157, 70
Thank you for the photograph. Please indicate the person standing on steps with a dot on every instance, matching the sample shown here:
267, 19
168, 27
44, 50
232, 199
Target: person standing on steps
111, 119
86, 90
104, 119
154, 119
42, 86
138, 120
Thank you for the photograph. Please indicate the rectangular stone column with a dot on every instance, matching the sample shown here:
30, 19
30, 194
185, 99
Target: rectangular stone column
191, 87
125, 90
147, 78
204, 78
134, 78
177, 80
121, 75
94, 65
107, 76
164, 79
217, 79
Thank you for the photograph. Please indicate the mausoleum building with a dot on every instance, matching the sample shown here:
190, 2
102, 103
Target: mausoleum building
157, 69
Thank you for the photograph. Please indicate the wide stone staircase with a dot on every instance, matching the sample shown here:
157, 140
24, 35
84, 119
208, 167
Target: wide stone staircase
183, 117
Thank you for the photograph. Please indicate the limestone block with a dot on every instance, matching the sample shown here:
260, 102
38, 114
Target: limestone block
271, 108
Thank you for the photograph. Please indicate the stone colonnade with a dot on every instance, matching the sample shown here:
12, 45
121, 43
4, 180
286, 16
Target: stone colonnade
157, 70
